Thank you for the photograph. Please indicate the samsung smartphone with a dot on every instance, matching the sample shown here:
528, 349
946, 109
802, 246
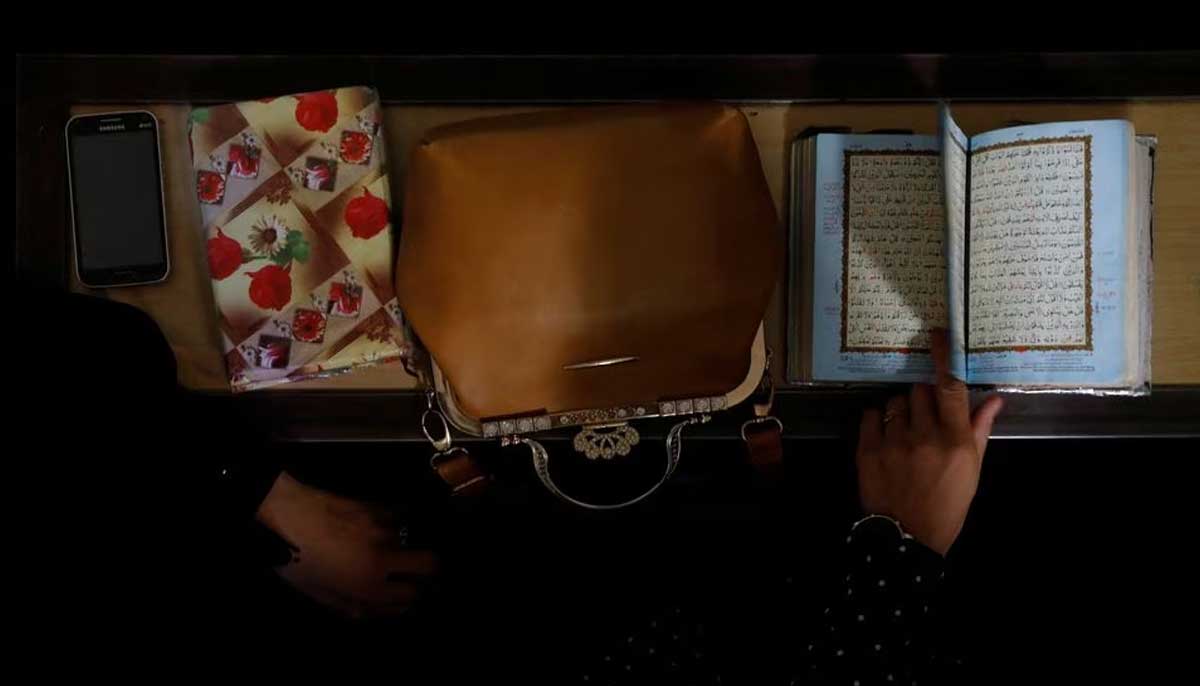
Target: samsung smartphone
115, 176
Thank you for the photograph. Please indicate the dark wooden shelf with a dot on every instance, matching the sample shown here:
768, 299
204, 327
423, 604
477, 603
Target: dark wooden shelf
576, 78
812, 414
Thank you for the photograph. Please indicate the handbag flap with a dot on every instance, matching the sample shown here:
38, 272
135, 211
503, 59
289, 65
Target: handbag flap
588, 257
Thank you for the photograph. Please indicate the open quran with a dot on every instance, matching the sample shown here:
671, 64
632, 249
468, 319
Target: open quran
1030, 245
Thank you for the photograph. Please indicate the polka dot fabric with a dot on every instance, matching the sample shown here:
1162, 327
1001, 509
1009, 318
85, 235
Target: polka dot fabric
876, 627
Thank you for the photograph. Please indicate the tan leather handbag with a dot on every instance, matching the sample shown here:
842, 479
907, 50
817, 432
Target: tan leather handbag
586, 268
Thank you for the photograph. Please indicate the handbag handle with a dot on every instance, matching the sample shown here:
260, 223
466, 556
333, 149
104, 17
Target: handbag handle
674, 444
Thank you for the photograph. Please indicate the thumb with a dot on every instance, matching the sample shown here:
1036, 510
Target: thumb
982, 419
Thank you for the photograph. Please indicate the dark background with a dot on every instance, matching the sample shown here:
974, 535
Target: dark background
1075, 561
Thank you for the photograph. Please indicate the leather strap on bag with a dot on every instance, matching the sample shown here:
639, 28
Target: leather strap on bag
461, 472
763, 435
764, 447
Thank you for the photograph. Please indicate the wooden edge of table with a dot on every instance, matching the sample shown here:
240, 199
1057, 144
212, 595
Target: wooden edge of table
1171, 411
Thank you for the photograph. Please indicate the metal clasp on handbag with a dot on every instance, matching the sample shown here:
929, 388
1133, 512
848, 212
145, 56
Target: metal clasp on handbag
606, 441
541, 462
762, 401
452, 463
442, 444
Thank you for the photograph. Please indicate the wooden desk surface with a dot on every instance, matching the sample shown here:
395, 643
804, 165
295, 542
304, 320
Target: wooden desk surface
183, 306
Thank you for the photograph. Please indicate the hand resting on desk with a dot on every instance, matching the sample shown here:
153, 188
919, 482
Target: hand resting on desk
348, 555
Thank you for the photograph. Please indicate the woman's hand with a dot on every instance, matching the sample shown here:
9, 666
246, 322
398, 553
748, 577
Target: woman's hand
347, 555
919, 461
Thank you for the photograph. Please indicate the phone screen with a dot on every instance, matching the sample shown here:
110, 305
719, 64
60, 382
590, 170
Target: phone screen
117, 196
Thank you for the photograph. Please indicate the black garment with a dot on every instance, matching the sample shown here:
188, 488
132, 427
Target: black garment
879, 627
140, 499
136, 499
876, 627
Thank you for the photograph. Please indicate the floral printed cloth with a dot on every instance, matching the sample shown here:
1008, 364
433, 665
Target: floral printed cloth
294, 199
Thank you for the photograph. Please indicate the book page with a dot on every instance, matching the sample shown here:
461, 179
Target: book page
1030, 263
879, 275
954, 144
1047, 253
1145, 149
894, 269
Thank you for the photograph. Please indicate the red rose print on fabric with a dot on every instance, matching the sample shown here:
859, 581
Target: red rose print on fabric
355, 147
345, 300
224, 255
271, 287
210, 187
366, 215
308, 326
270, 239
317, 111
243, 161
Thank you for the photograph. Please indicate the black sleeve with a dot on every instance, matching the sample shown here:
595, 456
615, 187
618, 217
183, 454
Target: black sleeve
673, 647
878, 626
142, 496
234, 470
